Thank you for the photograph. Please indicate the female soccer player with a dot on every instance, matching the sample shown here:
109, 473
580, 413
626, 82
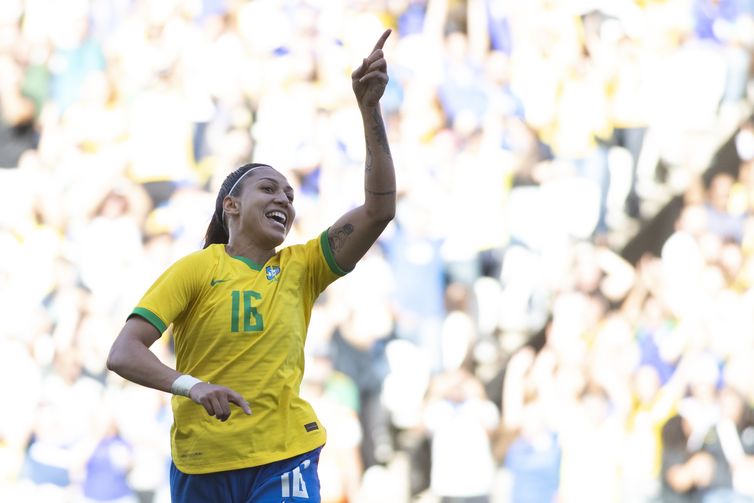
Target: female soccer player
240, 310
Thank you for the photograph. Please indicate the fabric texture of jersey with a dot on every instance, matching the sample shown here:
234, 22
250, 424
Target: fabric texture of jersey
242, 325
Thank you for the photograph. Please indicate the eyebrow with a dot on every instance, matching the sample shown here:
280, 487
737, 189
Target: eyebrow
276, 182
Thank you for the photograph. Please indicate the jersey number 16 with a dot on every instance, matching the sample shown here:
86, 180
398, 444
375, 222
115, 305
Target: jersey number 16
250, 320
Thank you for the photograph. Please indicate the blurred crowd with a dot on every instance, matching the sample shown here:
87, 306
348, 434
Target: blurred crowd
494, 346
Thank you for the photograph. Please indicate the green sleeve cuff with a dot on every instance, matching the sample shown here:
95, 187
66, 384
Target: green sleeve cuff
151, 318
329, 257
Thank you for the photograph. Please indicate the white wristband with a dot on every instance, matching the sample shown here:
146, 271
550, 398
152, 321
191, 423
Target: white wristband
183, 384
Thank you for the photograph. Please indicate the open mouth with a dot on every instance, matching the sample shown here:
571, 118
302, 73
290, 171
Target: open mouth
277, 216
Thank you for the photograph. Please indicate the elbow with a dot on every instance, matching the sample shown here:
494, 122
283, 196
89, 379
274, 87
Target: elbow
112, 363
386, 217
381, 215
381, 220
115, 362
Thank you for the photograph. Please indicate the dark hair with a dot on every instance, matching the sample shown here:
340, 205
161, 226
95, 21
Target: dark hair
217, 230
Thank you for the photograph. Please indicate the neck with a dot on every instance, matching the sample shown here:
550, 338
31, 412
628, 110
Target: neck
249, 251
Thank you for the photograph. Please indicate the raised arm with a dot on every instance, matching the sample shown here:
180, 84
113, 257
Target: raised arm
356, 231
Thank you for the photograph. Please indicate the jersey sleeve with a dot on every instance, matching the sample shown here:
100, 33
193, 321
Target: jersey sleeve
323, 268
171, 293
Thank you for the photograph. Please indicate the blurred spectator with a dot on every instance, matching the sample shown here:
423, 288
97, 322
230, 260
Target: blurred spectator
531, 450
700, 444
460, 421
336, 399
629, 99
58, 443
75, 53
686, 474
106, 470
17, 110
106, 246
723, 220
736, 436
652, 406
415, 260
726, 22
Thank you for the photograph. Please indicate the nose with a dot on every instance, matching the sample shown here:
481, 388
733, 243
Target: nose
282, 199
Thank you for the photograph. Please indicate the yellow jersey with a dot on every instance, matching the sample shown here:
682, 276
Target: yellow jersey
242, 325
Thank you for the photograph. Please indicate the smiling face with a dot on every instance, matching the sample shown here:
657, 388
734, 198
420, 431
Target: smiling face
262, 207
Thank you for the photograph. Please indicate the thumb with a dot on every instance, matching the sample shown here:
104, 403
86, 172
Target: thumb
240, 401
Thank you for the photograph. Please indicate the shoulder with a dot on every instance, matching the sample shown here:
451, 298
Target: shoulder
209, 254
303, 247
316, 250
196, 263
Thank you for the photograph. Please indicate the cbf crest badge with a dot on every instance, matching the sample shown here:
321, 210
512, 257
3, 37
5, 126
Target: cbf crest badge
271, 272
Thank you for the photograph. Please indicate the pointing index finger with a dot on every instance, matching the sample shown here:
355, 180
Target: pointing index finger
381, 41
240, 401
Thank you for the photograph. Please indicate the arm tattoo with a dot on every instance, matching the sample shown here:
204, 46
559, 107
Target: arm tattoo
339, 236
379, 131
369, 163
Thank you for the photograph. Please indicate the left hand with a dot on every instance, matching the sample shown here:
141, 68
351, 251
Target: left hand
369, 79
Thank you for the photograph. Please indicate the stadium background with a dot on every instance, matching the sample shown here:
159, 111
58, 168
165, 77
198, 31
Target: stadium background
568, 282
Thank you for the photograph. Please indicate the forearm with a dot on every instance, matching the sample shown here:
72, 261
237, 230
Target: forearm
131, 358
379, 172
135, 362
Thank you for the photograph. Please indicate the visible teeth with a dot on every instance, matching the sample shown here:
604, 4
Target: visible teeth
278, 216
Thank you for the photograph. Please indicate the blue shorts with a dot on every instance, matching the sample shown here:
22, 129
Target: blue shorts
290, 480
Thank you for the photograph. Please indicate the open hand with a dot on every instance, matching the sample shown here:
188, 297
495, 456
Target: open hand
369, 79
216, 399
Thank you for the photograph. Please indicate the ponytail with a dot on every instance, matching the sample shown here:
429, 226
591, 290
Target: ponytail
217, 230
